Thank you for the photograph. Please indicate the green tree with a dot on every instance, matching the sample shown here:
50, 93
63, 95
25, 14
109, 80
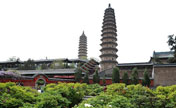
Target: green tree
134, 76
14, 59
125, 78
96, 77
78, 75
115, 75
146, 79
172, 43
28, 65
86, 78
44, 66
72, 65
57, 64
104, 80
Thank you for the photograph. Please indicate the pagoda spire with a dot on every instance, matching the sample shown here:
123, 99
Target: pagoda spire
109, 37
109, 5
83, 33
82, 52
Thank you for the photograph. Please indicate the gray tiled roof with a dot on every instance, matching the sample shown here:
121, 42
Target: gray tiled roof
166, 54
135, 64
165, 65
46, 60
48, 71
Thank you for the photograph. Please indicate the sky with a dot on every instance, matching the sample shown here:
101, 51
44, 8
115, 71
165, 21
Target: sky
38, 29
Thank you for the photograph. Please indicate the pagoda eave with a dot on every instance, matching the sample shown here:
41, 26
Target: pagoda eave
108, 55
108, 61
109, 28
104, 43
104, 33
109, 37
108, 48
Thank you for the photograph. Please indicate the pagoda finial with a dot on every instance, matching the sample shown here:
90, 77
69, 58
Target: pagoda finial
83, 32
109, 5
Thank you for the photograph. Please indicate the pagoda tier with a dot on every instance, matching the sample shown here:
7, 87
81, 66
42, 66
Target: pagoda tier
90, 66
109, 40
82, 52
104, 43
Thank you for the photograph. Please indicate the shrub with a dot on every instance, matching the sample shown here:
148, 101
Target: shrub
96, 102
116, 88
74, 92
120, 102
94, 89
13, 96
51, 100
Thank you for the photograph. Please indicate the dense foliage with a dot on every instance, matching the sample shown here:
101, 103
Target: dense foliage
12, 96
94, 89
68, 95
61, 95
132, 96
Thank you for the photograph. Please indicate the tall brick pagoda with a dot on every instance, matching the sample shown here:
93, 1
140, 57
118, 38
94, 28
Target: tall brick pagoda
82, 54
109, 41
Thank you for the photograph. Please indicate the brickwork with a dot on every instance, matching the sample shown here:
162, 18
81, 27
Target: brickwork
82, 53
108, 46
164, 75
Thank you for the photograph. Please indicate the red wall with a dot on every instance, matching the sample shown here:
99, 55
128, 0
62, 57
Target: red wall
109, 81
31, 82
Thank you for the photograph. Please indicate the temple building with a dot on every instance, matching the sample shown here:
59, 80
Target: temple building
161, 69
82, 53
63, 71
162, 57
108, 51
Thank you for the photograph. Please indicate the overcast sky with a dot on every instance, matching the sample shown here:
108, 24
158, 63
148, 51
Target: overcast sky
51, 28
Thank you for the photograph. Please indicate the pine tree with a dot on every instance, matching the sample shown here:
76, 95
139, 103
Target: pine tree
134, 76
146, 81
86, 78
115, 75
172, 43
78, 75
143, 82
125, 78
44, 66
96, 77
104, 80
28, 65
